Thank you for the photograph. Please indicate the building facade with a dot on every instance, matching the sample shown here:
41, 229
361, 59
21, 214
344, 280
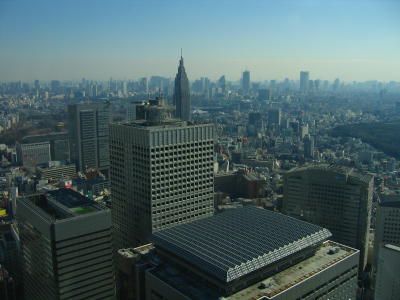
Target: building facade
387, 227
131, 109
387, 232
33, 154
88, 133
387, 281
55, 171
59, 144
335, 198
161, 175
66, 247
308, 143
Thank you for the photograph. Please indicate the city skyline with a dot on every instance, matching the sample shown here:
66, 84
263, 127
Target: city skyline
351, 40
199, 149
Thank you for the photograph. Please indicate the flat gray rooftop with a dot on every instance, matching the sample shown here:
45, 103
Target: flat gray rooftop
239, 241
66, 203
390, 201
329, 254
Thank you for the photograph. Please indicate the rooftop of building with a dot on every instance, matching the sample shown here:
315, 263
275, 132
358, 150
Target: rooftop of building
132, 252
145, 123
392, 247
334, 168
170, 123
65, 203
50, 135
54, 165
238, 242
329, 254
33, 144
389, 201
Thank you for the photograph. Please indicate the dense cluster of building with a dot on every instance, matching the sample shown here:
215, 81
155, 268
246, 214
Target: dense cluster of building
220, 190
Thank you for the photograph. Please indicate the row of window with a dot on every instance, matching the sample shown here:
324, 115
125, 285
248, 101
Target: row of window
163, 214
183, 218
180, 199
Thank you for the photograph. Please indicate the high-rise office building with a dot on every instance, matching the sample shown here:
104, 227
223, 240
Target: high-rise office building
36, 84
161, 174
387, 226
317, 84
246, 81
55, 86
387, 231
143, 85
66, 247
33, 153
387, 279
182, 94
304, 81
88, 132
336, 198
222, 84
304, 130
336, 84
245, 253
274, 116
308, 146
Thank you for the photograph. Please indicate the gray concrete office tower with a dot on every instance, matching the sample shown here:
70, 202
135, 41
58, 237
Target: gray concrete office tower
387, 231
304, 81
182, 94
89, 129
387, 226
66, 247
308, 142
222, 84
333, 197
246, 81
161, 174
143, 85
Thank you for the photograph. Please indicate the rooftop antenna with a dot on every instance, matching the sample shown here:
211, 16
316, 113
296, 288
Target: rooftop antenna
181, 52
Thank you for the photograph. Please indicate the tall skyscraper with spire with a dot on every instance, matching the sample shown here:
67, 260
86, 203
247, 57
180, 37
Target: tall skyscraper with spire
182, 93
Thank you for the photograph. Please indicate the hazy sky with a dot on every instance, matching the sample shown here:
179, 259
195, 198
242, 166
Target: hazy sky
274, 39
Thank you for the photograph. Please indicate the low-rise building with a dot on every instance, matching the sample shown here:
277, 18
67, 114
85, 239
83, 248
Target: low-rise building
246, 253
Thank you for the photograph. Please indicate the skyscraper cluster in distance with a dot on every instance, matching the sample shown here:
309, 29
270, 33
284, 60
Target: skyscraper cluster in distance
171, 189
